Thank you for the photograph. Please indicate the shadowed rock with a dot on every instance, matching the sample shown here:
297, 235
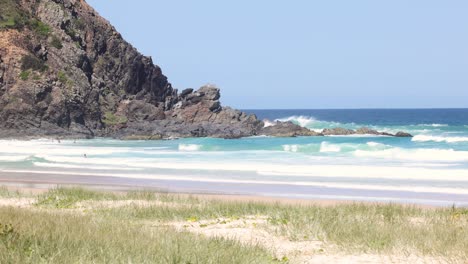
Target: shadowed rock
367, 131
75, 76
287, 129
338, 131
403, 134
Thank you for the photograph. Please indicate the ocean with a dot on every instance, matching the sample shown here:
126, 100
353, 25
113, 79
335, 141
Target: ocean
430, 168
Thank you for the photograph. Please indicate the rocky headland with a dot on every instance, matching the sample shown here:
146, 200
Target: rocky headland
66, 72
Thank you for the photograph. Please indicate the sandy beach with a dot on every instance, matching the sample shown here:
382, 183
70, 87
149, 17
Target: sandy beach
264, 230
44, 180
40, 183
213, 132
280, 237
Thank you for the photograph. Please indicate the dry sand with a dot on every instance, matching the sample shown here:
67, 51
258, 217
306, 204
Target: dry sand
248, 230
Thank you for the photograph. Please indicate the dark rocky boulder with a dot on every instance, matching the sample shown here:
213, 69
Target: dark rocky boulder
287, 129
338, 131
186, 92
66, 72
367, 131
403, 134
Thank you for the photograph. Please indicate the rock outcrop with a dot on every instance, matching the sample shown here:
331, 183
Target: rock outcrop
287, 129
65, 71
339, 131
402, 134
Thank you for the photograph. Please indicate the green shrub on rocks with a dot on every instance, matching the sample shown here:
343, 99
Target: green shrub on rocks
113, 119
39, 27
62, 77
24, 75
30, 62
11, 17
79, 23
56, 42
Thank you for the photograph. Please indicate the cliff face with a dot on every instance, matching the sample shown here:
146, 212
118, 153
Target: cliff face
64, 70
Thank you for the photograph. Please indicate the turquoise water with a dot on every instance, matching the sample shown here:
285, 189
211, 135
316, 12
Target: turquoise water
430, 168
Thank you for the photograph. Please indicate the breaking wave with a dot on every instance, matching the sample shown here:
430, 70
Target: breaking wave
268, 123
415, 129
87, 167
374, 150
327, 147
189, 147
303, 121
317, 125
434, 125
441, 155
13, 158
425, 138
291, 148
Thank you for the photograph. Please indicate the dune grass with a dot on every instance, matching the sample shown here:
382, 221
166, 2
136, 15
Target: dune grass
63, 198
6, 193
376, 228
353, 228
54, 237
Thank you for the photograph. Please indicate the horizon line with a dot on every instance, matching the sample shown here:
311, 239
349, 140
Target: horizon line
371, 108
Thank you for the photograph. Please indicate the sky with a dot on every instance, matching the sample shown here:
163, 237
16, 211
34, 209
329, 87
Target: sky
305, 54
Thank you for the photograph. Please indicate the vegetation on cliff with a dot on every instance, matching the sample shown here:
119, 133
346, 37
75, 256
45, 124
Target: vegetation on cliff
65, 71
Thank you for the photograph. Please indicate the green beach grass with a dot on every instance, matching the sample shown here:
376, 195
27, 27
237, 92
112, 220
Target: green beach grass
55, 230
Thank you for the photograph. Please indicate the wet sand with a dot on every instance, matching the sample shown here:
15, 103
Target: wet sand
240, 192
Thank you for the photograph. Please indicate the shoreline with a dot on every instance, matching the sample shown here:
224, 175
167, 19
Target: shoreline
42, 186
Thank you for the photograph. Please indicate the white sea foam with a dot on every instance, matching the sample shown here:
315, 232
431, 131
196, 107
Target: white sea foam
374, 144
332, 170
35, 147
268, 123
434, 125
425, 138
154, 148
368, 172
189, 147
427, 155
87, 167
303, 121
359, 136
445, 190
327, 147
291, 148
13, 158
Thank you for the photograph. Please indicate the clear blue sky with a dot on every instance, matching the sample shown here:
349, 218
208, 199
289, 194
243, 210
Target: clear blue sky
304, 53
